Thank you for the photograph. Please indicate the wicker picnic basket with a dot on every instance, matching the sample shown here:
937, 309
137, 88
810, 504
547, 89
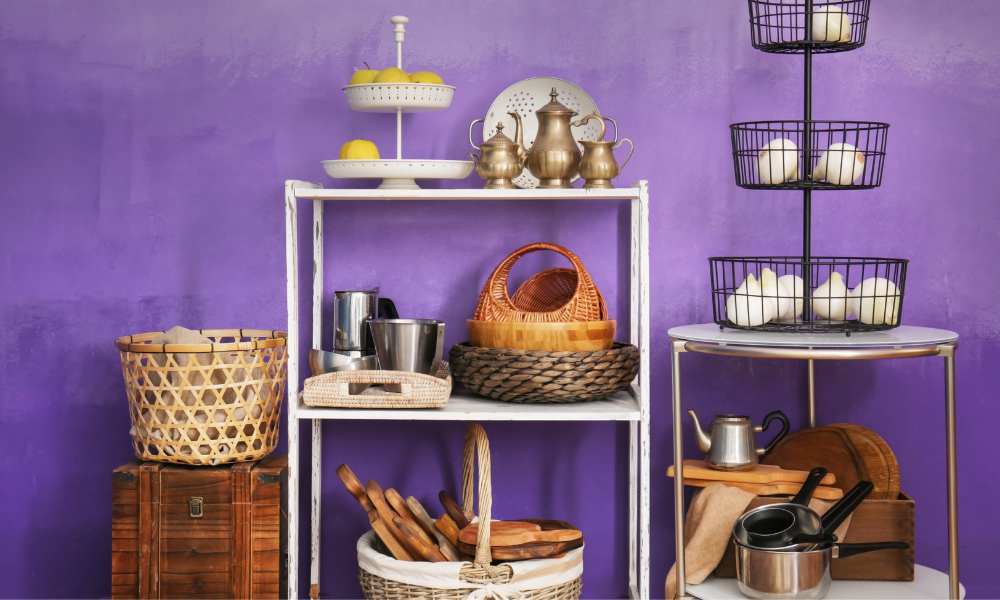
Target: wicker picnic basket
553, 295
537, 377
205, 403
382, 576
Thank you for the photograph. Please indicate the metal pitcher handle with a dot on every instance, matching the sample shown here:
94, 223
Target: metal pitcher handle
631, 149
615, 125
774, 415
471, 125
594, 115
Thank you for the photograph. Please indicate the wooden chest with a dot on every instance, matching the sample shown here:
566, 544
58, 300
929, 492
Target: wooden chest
199, 532
873, 521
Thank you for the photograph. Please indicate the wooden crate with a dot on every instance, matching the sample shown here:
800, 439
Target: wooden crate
873, 521
199, 532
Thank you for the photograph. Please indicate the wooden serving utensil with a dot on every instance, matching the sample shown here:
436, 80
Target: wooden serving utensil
411, 532
427, 524
395, 548
353, 485
822, 492
525, 551
454, 511
699, 469
399, 505
386, 515
448, 529
513, 533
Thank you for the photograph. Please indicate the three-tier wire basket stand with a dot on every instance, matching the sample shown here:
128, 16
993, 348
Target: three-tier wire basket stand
780, 293
766, 307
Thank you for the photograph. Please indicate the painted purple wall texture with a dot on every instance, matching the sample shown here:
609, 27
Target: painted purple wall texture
144, 150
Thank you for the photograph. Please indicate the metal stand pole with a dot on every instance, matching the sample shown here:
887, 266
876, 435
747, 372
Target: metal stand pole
949, 376
811, 391
676, 347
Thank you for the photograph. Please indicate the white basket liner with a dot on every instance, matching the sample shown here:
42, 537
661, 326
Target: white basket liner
528, 574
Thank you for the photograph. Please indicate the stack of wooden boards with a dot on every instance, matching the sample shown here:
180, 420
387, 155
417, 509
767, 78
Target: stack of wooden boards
761, 480
408, 532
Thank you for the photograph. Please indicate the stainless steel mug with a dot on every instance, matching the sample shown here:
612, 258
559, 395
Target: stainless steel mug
408, 344
351, 311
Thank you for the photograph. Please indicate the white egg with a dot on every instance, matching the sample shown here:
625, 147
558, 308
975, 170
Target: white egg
830, 299
791, 292
876, 301
746, 306
830, 24
840, 164
778, 162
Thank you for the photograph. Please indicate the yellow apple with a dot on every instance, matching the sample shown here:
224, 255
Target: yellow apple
426, 77
392, 75
361, 76
359, 150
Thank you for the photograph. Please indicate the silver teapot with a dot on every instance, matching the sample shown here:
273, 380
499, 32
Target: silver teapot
730, 445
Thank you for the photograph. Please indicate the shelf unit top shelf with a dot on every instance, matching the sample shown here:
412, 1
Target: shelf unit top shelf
904, 336
475, 194
463, 406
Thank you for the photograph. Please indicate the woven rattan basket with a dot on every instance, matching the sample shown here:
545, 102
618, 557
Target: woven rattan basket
205, 404
378, 389
545, 297
535, 377
382, 576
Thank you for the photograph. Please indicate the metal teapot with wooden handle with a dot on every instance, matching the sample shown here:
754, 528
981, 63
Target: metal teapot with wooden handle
730, 446
500, 160
554, 157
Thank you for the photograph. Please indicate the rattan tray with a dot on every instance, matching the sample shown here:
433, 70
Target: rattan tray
378, 389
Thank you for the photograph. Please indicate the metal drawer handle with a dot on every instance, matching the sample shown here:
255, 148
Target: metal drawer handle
196, 507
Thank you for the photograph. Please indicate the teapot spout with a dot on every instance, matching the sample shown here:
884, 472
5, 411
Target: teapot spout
519, 136
704, 442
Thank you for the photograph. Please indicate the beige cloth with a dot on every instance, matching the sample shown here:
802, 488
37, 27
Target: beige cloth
709, 525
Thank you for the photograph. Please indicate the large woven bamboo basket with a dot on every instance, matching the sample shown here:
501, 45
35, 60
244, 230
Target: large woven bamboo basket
382, 576
205, 404
554, 295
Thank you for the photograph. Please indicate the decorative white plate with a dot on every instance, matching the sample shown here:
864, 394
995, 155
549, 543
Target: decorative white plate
398, 174
527, 96
387, 97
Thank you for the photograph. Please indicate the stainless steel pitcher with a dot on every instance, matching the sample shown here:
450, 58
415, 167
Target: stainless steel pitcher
351, 311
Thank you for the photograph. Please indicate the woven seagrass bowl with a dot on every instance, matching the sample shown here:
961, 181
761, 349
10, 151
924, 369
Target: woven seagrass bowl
537, 377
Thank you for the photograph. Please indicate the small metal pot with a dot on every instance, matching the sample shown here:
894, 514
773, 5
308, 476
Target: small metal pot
774, 574
414, 345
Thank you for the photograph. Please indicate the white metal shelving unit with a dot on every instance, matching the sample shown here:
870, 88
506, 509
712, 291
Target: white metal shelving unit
901, 342
631, 406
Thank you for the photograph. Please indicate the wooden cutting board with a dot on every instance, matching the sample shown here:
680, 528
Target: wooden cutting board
699, 469
516, 533
823, 492
851, 452
525, 551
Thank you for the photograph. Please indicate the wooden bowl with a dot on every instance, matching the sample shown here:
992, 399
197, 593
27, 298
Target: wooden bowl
578, 336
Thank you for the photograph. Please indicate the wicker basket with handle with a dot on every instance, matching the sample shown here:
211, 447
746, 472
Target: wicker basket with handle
382, 576
542, 298
205, 403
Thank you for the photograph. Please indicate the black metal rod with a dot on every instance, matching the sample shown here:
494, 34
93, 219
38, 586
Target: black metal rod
807, 168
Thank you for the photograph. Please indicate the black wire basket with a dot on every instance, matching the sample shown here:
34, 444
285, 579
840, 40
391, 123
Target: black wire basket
840, 294
780, 25
843, 155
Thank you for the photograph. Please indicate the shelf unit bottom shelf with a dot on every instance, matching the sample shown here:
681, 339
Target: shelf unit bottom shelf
463, 406
927, 583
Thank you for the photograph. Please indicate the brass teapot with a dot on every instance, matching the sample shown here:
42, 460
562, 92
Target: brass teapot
500, 160
598, 165
554, 157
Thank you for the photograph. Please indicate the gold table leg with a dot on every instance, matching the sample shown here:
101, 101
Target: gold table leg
811, 391
676, 347
949, 375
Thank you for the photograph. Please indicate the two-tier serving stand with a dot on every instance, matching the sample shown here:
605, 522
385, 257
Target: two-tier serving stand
786, 27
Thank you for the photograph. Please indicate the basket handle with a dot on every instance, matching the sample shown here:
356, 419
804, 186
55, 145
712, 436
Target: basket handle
477, 450
500, 278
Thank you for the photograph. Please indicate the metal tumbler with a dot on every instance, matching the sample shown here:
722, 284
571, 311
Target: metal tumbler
414, 345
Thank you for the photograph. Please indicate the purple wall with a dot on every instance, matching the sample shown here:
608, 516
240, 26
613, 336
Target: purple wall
144, 149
